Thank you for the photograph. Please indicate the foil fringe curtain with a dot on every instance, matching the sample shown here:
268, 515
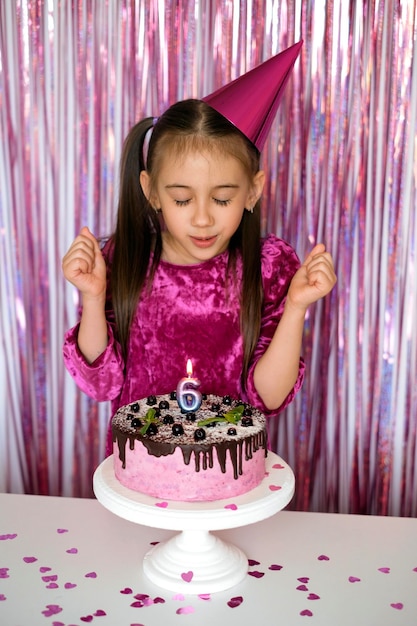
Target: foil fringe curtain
342, 167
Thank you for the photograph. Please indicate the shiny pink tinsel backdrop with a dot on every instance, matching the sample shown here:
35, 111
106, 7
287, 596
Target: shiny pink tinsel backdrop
341, 158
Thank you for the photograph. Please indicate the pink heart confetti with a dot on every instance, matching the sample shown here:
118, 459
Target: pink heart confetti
256, 574
232, 507
302, 588
235, 602
52, 609
179, 597
397, 605
162, 505
414, 569
204, 596
384, 570
313, 596
141, 596
4, 572
278, 466
99, 613
138, 604
91, 575
58, 624
187, 576
252, 562
126, 590
303, 579
8, 536
51, 578
275, 567
148, 602
323, 557
69, 585
72, 551
44, 569
2, 597
158, 600
185, 610
30, 559
87, 618
354, 579
275, 487
307, 613
52, 586
61, 530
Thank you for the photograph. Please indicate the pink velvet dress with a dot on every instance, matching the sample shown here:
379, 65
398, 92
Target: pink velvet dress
191, 312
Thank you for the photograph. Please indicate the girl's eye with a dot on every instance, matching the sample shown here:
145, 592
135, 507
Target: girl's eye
216, 200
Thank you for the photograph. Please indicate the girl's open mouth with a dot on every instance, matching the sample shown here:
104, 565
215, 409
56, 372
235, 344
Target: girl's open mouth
203, 242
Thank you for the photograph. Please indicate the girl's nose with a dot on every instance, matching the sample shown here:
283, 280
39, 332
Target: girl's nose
202, 215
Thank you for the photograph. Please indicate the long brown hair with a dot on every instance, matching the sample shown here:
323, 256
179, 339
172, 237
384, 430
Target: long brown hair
190, 124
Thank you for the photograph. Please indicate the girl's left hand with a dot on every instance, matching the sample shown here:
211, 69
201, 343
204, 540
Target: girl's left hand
313, 280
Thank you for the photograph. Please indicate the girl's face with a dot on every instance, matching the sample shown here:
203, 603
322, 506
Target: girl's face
202, 196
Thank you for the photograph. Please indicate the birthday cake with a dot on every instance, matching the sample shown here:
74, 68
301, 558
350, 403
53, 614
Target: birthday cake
214, 452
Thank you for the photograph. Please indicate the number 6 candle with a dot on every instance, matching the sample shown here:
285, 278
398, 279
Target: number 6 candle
188, 396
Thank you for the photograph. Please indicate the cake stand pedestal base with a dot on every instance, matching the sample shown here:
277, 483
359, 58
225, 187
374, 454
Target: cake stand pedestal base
207, 564
194, 560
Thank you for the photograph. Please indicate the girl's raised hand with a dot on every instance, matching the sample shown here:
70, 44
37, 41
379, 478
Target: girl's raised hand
84, 265
313, 280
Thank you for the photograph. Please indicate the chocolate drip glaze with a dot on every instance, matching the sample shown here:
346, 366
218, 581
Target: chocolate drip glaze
239, 448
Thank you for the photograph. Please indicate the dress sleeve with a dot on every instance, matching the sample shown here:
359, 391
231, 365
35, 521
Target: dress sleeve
103, 379
279, 264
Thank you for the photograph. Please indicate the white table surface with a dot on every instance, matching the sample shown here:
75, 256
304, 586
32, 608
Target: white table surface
69, 561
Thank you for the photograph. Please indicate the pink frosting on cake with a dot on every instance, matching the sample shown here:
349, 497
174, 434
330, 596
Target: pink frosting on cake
162, 465
169, 478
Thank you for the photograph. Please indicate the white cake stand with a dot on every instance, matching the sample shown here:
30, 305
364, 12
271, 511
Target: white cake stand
196, 561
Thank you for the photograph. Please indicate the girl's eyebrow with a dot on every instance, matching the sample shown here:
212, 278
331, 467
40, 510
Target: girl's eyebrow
222, 186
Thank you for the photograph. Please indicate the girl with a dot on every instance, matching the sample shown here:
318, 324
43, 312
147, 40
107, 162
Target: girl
187, 275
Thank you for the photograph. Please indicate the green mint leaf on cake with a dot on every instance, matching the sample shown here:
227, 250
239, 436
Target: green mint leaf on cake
233, 417
149, 419
211, 420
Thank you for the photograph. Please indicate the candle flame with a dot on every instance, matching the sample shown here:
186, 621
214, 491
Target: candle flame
189, 368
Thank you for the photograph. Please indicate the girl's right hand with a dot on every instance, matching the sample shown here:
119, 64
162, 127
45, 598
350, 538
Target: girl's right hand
84, 265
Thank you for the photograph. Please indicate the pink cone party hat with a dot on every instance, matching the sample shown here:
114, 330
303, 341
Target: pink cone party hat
250, 102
